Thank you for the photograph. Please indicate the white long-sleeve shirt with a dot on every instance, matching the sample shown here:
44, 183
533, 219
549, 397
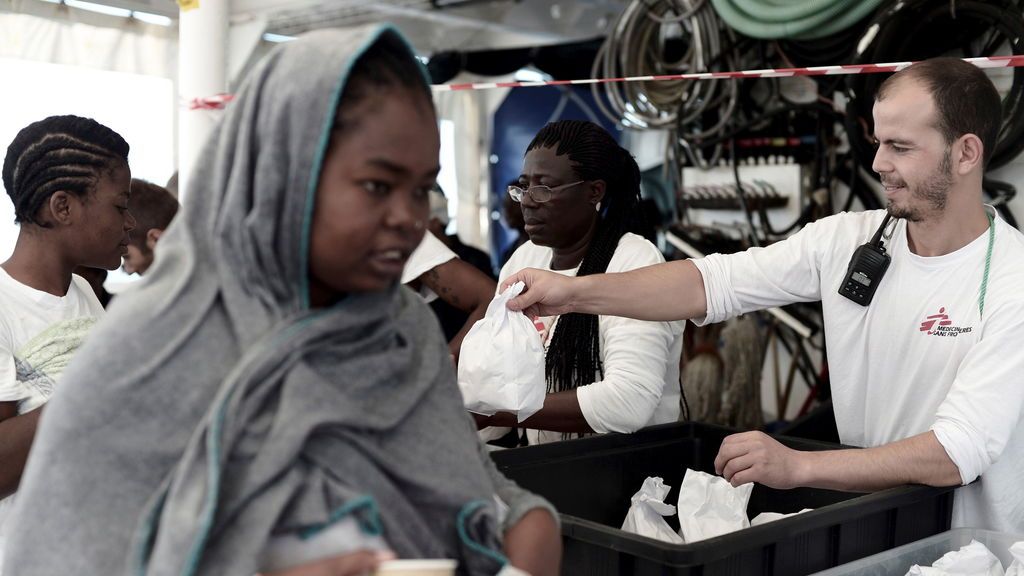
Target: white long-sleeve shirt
919, 358
640, 359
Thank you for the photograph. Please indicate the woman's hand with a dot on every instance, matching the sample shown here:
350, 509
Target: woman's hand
534, 544
360, 563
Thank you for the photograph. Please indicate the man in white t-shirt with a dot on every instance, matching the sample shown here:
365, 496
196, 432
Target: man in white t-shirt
69, 180
927, 376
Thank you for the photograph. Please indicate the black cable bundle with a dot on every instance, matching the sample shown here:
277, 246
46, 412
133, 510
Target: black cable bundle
919, 29
835, 49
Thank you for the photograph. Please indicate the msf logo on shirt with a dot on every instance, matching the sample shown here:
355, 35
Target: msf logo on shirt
940, 325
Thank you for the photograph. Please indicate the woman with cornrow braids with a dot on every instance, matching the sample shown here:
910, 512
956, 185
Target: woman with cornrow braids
69, 180
580, 197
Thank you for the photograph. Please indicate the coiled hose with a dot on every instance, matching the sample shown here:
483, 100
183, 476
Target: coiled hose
796, 19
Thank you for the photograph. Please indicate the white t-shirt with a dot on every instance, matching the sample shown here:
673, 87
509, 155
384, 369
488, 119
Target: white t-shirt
919, 357
36, 331
640, 359
430, 254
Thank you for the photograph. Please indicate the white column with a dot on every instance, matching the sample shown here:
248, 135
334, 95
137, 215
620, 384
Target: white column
202, 72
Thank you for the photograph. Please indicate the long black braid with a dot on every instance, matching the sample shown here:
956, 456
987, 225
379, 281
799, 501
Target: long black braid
574, 357
68, 153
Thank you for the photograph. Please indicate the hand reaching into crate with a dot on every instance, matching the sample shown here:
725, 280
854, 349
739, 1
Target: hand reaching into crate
757, 457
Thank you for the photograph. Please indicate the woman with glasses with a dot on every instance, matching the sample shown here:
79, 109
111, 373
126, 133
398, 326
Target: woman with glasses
580, 198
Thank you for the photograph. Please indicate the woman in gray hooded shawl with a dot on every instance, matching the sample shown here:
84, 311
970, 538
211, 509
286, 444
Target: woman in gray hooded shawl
269, 378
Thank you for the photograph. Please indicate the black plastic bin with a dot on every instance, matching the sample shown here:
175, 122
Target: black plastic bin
591, 480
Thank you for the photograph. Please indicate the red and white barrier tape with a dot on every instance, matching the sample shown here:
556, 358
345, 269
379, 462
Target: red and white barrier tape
218, 101
989, 62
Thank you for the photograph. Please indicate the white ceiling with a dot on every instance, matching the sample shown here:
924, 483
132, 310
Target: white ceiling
466, 25
431, 25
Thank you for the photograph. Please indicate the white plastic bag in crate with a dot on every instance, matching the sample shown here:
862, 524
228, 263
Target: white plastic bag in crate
645, 516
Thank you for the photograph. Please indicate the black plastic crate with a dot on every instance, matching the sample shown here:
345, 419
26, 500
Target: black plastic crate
591, 480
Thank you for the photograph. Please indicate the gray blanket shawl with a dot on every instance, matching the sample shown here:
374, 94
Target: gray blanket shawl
211, 408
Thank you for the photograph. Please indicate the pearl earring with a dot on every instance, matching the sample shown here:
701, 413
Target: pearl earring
597, 207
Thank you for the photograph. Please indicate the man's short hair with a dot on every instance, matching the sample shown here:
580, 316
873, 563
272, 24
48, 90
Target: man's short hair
152, 206
966, 101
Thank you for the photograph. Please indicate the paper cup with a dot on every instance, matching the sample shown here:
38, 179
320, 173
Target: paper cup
417, 568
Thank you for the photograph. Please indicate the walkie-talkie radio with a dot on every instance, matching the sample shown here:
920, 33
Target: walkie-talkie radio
866, 268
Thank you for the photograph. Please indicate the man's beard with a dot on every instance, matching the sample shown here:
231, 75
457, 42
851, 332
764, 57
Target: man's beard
932, 193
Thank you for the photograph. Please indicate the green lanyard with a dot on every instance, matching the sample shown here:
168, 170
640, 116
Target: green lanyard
988, 263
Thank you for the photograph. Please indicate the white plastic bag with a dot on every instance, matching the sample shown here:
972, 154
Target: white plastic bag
709, 506
1017, 566
645, 516
973, 559
766, 517
501, 365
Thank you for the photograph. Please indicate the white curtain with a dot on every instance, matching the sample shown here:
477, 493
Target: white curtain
471, 112
56, 60
57, 34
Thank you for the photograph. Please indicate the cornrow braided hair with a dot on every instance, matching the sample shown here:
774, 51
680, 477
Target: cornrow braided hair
574, 356
68, 153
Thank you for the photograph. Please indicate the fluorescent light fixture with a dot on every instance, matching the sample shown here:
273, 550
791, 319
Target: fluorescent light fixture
450, 3
93, 7
269, 37
528, 75
148, 18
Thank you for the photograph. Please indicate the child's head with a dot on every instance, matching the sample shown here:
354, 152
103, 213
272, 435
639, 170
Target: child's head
372, 200
69, 180
153, 208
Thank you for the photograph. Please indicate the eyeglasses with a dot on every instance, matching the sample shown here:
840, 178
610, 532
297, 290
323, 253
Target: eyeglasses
539, 193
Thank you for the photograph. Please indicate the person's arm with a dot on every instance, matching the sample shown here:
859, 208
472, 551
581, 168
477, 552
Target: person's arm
669, 291
756, 457
707, 290
561, 413
357, 563
16, 434
533, 540
464, 287
534, 544
973, 424
635, 355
